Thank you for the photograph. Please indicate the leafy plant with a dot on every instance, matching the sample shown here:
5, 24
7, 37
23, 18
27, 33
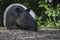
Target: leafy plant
52, 21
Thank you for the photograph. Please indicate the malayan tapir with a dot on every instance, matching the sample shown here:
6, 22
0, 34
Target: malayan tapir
16, 17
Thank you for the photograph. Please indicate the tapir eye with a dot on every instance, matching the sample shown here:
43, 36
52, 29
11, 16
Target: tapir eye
18, 10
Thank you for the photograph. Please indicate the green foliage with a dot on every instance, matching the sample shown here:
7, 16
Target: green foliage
51, 21
39, 23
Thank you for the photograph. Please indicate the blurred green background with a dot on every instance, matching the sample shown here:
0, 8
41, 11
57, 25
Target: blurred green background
47, 11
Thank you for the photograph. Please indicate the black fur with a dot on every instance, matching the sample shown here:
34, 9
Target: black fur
19, 18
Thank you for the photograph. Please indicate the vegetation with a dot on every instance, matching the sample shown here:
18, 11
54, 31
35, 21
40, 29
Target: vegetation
52, 20
47, 11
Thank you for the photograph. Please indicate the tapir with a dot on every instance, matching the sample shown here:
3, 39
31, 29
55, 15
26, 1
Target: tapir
16, 17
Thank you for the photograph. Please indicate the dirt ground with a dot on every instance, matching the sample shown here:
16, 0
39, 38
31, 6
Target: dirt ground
41, 34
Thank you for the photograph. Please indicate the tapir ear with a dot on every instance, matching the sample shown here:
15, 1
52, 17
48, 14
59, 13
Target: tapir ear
18, 10
28, 10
